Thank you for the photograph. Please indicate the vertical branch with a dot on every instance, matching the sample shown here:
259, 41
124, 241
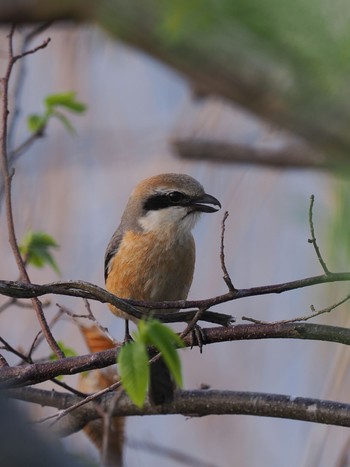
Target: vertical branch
313, 237
7, 176
18, 86
226, 276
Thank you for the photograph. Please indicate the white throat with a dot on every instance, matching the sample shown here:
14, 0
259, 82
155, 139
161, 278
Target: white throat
172, 219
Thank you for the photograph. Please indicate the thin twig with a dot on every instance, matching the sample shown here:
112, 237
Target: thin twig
107, 428
69, 388
19, 83
28, 359
11, 349
313, 237
90, 316
44, 44
39, 337
75, 406
7, 304
15, 302
226, 276
315, 313
7, 187
25, 145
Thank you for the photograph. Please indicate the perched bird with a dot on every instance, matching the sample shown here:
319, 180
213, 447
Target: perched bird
151, 255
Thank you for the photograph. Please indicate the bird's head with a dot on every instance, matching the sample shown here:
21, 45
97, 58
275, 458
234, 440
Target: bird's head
168, 201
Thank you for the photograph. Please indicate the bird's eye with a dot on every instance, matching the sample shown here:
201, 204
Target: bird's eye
175, 196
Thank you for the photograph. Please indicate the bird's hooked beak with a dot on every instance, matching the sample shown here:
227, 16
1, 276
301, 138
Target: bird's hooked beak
201, 203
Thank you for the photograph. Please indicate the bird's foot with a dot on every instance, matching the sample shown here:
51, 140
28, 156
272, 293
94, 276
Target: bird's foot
127, 335
198, 337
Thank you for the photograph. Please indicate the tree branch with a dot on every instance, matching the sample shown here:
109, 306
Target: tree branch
16, 289
87, 290
7, 188
236, 63
25, 375
201, 402
313, 237
287, 157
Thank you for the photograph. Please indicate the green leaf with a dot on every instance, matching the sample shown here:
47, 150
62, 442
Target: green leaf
68, 351
67, 100
36, 246
36, 122
65, 121
165, 340
134, 371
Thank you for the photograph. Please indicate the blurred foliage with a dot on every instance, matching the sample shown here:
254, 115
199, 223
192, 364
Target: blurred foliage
36, 249
287, 61
312, 39
133, 360
340, 228
38, 122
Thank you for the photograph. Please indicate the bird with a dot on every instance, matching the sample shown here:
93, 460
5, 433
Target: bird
151, 255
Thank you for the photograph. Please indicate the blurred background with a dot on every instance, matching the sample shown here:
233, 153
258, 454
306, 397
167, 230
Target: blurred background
75, 188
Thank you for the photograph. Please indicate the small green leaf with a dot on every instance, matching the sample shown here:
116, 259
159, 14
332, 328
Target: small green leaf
68, 351
36, 246
65, 121
67, 100
165, 340
134, 371
36, 122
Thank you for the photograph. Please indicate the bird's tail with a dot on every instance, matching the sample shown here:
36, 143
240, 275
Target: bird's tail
161, 388
95, 381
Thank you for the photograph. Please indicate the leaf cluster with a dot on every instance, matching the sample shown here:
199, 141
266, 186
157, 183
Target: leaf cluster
53, 105
36, 249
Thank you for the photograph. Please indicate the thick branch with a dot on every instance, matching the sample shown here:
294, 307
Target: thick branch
289, 156
26, 375
196, 402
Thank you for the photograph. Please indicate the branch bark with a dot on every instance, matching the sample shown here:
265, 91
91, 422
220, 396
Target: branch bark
287, 157
191, 403
25, 375
15, 289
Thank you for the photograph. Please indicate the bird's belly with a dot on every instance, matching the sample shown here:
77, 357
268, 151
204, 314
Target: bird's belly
146, 268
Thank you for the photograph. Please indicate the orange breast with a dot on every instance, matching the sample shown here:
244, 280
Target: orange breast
151, 267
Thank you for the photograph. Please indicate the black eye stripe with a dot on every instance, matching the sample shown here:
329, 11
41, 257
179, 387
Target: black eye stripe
161, 201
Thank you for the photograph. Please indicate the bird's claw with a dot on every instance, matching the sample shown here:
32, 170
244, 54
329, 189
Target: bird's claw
127, 335
198, 337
